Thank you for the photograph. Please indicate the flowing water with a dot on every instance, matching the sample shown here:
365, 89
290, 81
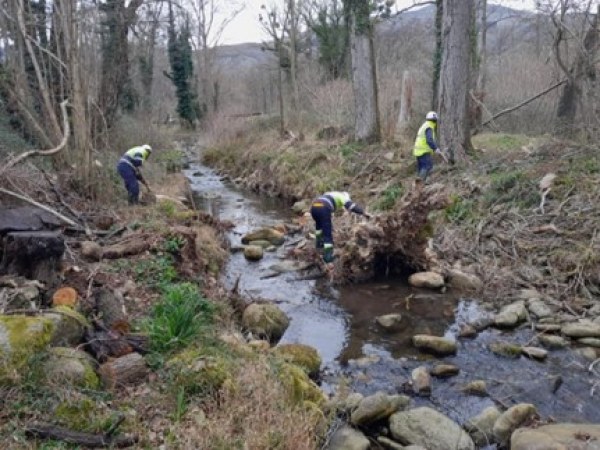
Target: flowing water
340, 324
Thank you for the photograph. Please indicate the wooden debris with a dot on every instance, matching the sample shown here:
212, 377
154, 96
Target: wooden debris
123, 371
110, 308
89, 440
65, 296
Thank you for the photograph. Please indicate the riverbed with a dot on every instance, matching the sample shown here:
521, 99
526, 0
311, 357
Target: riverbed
340, 324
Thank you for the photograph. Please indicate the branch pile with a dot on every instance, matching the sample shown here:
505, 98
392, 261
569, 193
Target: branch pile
392, 242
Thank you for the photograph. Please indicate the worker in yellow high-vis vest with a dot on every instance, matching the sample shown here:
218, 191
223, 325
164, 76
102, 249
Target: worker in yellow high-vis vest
129, 168
426, 145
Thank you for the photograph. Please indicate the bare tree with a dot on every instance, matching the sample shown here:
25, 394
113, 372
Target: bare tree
455, 77
364, 74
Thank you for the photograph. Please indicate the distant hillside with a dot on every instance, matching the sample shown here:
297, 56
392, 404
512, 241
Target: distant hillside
502, 21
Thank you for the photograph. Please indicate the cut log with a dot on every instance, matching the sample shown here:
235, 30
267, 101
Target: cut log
33, 254
110, 308
132, 247
128, 369
107, 343
65, 296
49, 431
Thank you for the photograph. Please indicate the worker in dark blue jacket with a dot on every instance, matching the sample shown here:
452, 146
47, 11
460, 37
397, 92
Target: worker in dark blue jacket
129, 169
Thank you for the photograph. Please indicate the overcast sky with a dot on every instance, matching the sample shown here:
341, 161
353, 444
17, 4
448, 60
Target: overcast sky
245, 27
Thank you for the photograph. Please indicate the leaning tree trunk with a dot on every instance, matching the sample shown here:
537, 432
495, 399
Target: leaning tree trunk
405, 115
455, 77
364, 76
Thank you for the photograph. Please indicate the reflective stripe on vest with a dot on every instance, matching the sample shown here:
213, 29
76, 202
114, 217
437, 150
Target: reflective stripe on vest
421, 145
137, 153
339, 198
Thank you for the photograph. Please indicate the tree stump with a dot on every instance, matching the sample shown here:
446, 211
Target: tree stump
123, 371
35, 255
110, 308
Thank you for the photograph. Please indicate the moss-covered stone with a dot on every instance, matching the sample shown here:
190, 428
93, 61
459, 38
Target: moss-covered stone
265, 321
20, 338
506, 349
69, 326
199, 373
83, 414
265, 234
71, 366
301, 355
299, 386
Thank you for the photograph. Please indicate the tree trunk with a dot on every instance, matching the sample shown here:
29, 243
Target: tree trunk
437, 56
583, 67
364, 76
406, 110
128, 369
293, 61
280, 86
454, 132
481, 66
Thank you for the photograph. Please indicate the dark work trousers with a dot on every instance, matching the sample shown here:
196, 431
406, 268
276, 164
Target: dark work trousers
131, 182
321, 213
424, 165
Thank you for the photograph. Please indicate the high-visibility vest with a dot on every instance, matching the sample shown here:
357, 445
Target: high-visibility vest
421, 145
339, 198
136, 152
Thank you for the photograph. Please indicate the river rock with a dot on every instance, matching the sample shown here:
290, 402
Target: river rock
529, 294
377, 407
351, 402
552, 342
264, 234
301, 207
263, 244
430, 429
71, 367
265, 321
588, 353
592, 342
464, 281
435, 344
481, 426
581, 329
430, 280
561, 436
347, 438
548, 327
511, 419
421, 381
445, 370
538, 308
477, 387
253, 252
505, 349
511, 315
535, 352
302, 355
389, 321
91, 250
289, 265
389, 444
467, 331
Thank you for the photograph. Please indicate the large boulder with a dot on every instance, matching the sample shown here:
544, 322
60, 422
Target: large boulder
430, 429
265, 321
347, 438
562, 436
275, 237
434, 344
511, 419
376, 407
481, 426
20, 338
430, 280
71, 366
581, 329
511, 315
302, 355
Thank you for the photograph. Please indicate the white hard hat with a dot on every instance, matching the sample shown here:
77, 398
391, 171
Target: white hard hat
346, 196
431, 115
147, 147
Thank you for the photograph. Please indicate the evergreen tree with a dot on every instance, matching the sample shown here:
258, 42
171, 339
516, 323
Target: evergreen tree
182, 71
331, 31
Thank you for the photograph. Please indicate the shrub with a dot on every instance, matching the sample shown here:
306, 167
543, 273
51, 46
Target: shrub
388, 197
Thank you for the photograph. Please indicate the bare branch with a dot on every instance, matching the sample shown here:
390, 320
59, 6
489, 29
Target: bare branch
413, 6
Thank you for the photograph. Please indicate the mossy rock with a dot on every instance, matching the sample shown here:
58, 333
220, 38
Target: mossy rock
83, 414
506, 349
20, 338
301, 355
69, 325
275, 237
199, 373
70, 366
265, 321
299, 386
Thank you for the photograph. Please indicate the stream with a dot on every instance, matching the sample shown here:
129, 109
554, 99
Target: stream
340, 324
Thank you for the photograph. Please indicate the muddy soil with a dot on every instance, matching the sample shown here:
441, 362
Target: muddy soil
340, 323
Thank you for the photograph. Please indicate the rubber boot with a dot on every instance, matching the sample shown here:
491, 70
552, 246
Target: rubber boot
328, 254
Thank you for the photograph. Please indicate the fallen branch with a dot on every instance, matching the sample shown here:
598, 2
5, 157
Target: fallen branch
525, 102
66, 132
48, 431
42, 206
